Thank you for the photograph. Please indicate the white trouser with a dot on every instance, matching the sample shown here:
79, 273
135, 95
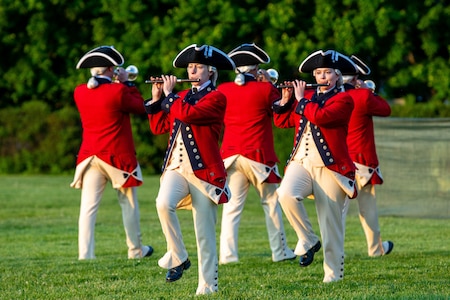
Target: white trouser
240, 176
95, 179
174, 188
368, 215
300, 181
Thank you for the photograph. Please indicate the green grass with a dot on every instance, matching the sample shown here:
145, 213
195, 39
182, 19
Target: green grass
38, 253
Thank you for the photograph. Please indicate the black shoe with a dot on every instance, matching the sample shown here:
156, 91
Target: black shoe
307, 258
150, 251
175, 273
387, 247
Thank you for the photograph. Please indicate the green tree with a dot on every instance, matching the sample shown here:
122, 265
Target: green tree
406, 45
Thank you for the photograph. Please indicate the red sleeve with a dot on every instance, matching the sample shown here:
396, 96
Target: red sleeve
207, 110
159, 122
132, 100
335, 112
288, 118
377, 106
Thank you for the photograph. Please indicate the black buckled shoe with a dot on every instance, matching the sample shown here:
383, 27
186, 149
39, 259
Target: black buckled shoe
387, 247
307, 258
175, 273
149, 252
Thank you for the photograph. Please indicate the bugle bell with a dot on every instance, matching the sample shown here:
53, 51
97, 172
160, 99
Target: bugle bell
370, 85
272, 73
132, 71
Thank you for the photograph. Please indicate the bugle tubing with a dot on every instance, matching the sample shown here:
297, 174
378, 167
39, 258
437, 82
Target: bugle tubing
308, 85
178, 80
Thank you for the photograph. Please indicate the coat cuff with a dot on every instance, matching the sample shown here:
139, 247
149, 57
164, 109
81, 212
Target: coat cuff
167, 103
301, 106
152, 107
281, 109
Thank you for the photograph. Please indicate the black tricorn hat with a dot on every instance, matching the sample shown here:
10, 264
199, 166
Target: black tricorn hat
328, 59
362, 67
248, 54
206, 55
103, 56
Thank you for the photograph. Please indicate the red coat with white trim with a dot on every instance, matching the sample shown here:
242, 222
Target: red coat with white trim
248, 122
199, 119
331, 115
105, 117
361, 139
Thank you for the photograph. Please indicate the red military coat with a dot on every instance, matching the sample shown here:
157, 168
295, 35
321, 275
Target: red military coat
105, 117
200, 122
248, 122
331, 116
361, 139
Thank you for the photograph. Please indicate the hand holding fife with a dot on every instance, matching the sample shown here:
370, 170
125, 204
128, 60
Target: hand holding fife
299, 89
165, 84
169, 83
286, 94
157, 89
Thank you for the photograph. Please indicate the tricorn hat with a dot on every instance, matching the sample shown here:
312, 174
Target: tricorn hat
249, 54
206, 55
103, 56
362, 67
328, 59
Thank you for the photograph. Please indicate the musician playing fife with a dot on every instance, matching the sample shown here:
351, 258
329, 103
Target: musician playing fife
248, 153
319, 164
193, 172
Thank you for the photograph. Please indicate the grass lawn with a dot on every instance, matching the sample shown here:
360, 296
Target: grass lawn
38, 253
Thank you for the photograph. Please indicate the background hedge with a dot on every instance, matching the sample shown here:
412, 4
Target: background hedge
406, 45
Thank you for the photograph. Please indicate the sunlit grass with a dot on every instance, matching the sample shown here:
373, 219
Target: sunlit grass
38, 238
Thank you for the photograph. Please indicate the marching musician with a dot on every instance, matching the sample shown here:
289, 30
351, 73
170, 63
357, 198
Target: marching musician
361, 145
107, 150
319, 165
194, 175
248, 153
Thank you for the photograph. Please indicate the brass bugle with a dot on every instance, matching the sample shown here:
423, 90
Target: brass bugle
272, 73
178, 80
370, 85
132, 71
308, 85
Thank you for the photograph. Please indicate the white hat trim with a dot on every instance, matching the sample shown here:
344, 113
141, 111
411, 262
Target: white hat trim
334, 56
361, 70
99, 54
208, 51
252, 54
